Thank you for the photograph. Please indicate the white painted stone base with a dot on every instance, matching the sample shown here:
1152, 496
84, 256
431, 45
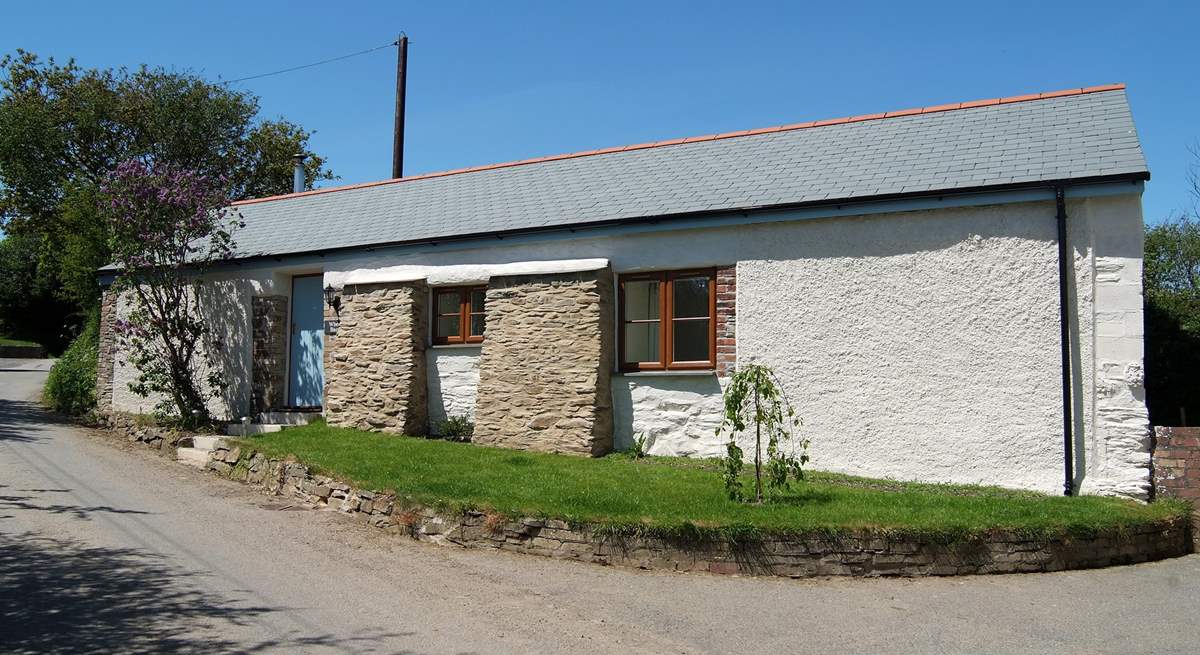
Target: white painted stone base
677, 414
453, 379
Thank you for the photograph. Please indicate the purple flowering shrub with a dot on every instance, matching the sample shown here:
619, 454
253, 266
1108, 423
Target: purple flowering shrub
168, 226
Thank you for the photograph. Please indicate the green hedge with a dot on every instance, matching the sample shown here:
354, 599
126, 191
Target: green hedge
71, 386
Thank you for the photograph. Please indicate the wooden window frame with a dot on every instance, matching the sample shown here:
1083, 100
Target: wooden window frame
464, 314
666, 321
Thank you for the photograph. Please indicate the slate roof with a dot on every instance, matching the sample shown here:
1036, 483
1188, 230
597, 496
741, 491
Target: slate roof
1060, 136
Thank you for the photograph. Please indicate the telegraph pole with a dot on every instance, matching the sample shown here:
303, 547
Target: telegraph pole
398, 134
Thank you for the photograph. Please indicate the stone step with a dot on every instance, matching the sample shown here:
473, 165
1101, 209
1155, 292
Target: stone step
286, 418
197, 457
237, 429
203, 442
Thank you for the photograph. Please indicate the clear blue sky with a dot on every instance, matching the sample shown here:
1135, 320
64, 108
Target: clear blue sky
496, 81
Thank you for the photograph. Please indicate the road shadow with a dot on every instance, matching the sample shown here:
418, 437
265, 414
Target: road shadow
10, 500
22, 420
62, 596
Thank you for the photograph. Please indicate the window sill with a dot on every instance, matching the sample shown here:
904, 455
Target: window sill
668, 374
451, 346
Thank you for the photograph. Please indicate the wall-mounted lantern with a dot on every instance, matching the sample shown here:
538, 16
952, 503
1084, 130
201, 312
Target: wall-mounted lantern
333, 299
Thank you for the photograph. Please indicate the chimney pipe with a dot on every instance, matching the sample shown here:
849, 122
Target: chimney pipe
298, 172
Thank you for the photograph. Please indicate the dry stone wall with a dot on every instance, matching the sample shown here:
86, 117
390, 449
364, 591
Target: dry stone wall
269, 351
545, 364
375, 373
860, 553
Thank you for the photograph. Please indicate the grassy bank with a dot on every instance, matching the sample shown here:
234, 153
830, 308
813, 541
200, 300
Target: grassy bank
5, 341
678, 496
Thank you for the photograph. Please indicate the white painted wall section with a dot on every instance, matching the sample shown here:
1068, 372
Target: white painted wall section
1114, 454
227, 310
676, 414
452, 380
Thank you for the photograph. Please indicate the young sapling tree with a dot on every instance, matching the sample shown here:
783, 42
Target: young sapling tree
755, 395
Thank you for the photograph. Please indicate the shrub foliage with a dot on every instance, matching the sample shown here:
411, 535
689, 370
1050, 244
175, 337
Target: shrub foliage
71, 386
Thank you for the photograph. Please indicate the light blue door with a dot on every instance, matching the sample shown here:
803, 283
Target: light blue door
306, 368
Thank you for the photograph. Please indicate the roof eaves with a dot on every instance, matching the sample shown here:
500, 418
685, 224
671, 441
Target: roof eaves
839, 202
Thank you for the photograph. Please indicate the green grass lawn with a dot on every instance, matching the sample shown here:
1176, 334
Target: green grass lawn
680, 496
5, 341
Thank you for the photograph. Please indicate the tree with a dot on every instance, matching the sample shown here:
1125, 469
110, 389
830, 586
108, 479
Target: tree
1171, 279
29, 307
755, 395
64, 128
167, 225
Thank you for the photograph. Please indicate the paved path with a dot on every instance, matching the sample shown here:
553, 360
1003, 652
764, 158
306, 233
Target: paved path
112, 549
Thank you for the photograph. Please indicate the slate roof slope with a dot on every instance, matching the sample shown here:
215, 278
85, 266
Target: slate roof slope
1060, 136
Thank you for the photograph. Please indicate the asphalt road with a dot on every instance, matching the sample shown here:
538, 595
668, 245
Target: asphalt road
109, 548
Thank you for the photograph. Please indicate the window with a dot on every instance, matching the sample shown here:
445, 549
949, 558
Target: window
458, 314
668, 321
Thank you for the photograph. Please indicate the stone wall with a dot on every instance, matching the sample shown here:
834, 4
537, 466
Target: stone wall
108, 352
375, 376
1176, 463
545, 364
137, 428
859, 553
269, 352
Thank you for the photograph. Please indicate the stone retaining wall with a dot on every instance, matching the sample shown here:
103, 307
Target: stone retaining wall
136, 430
859, 554
545, 364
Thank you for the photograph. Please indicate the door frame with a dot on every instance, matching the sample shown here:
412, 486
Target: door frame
287, 387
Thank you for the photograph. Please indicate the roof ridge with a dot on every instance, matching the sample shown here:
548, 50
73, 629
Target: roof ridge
710, 137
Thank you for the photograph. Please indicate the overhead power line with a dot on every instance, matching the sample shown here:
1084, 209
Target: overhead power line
315, 63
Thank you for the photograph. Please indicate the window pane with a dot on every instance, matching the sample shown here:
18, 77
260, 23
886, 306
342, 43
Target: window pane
641, 300
691, 341
447, 326
477, 325
448, 302
691, 297
477, 296
641, 342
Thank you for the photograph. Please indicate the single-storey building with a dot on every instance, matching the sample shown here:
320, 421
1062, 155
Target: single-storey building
948, 294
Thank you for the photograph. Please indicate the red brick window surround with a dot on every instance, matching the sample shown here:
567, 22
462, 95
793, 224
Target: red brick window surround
726, 320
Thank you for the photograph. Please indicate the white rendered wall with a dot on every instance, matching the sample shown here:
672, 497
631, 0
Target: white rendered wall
227, 310
453, 379
917, 345
675, 414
